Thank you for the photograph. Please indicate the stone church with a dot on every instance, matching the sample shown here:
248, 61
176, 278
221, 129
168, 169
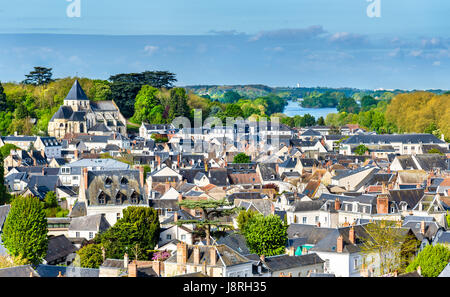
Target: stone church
79, 115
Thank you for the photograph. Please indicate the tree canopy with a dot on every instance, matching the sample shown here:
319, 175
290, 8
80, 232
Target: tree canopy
432, 260
266, 235
241, 158
90, 256
39, 76
25, 230
136, 233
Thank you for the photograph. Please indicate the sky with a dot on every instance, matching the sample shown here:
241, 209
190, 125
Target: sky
278, 43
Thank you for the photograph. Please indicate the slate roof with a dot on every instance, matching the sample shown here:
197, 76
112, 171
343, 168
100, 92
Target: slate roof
389, 138
235, 241
311, 132
300, 206
66, 271
59, 247
410, 196
64, 112
432, 161
76, 92
95, 222
78, 116
78, 210
18, 271
268, 170
182, 215
312, 233
283, 262
218, 177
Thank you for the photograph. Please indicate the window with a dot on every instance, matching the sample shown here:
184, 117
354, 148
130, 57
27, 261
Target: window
77, 234
118, 216
317, 219
108, 181
91, 235
183, 237
355, 263
304, 220
169, 237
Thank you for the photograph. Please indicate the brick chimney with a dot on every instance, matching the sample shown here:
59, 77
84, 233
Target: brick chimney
132, 269
422, 227
85, 178
76, 154
212, 256
181, 253
382, 204
337, 204
351, 235
158, 160
175, 216
141, 175
180, 197
340, 244
196, 255
125, 260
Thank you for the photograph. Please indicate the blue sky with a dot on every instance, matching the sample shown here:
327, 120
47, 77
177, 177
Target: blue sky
278, 43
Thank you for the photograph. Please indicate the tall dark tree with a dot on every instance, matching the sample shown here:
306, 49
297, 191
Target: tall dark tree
3, 103
211, 211
39, 76
126, 86
4, 195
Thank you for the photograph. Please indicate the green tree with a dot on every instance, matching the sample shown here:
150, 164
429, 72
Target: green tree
145, 101
434, 151
394, 246
50, 200
361, 149
3, 104
432, 260
348, 105
39, 76
266, 235
211, 211
243, 219
90, 256
368, 102
231, 97
25, 230
241, 158
4, 195
139, 226
321, 121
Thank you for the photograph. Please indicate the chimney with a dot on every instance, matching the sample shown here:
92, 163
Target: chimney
382, 204
422, 227
389, 169
167, 186
132, 269
181, 253
196, 255
272, 208
340, 244
158, 160
262, 258
85, 178
76, 154
178, 160
43, 170
175, 216
180, 197
212, 255
277, 168
318, 224
337, 204
204, 268
141, 175
43, 153
351, 235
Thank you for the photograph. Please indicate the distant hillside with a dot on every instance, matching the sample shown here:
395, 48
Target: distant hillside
216, 92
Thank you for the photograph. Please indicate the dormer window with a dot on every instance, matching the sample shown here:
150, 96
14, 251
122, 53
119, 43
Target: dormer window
124, 181
134, 198
108, 182
102, 198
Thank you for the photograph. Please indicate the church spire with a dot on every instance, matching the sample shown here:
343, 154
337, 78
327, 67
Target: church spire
76, 92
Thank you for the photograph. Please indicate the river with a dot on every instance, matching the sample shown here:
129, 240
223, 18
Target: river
294, 108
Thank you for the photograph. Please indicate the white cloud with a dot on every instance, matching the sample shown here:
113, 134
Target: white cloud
437, 63
150, 49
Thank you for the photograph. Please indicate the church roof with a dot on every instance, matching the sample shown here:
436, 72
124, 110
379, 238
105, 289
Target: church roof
64, 112
76, 92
